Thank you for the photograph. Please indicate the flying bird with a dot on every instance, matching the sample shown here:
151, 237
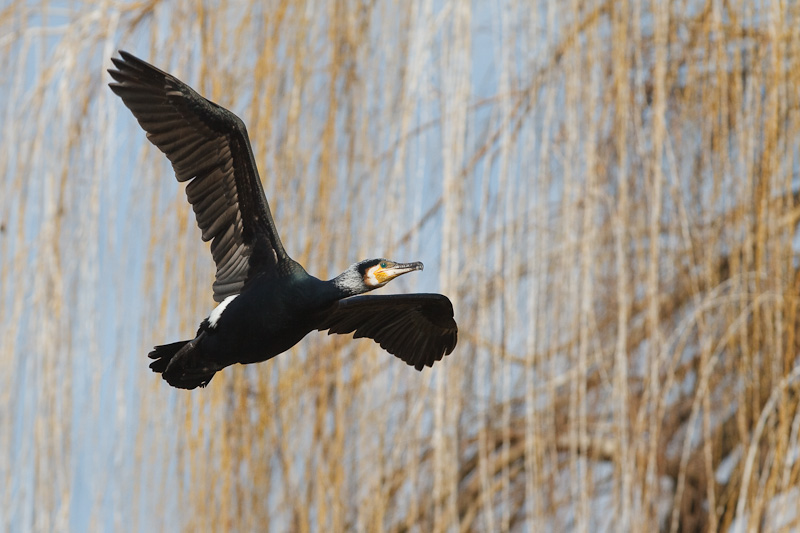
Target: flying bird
267, 301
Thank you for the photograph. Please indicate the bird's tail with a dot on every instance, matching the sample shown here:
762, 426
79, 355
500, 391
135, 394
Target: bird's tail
181, 364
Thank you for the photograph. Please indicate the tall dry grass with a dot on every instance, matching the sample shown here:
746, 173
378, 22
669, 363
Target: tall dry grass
606, 190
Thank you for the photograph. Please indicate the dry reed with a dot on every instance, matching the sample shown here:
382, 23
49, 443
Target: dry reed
606, 190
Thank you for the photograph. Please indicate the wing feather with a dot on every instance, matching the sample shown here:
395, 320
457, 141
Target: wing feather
208, 145
417, 328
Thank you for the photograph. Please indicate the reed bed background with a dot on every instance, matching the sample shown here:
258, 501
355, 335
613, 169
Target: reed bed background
606, 190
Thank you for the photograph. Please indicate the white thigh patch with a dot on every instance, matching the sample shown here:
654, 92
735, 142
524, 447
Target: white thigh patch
217, 312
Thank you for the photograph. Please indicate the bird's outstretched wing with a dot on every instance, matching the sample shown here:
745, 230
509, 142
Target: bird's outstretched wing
209, 145
417, 328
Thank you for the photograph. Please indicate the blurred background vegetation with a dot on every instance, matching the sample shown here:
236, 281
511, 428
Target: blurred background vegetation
607, 190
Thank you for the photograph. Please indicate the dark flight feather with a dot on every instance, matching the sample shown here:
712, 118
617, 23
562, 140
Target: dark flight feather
208, 145
417, 328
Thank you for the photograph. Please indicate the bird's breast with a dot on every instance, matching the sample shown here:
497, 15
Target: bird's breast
267, 319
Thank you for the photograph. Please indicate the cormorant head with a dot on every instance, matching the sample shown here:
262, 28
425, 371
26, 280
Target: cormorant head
370, 274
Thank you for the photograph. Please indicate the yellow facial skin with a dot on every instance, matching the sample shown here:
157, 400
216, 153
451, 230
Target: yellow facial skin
380, 273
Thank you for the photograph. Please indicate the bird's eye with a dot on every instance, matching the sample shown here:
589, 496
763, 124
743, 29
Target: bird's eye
383, 264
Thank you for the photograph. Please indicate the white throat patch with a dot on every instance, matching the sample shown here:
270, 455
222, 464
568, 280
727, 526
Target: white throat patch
370, 278
213, 318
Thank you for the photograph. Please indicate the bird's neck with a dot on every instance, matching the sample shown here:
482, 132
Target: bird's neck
347, 284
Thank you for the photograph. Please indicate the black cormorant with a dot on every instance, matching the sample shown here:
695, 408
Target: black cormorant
267, 301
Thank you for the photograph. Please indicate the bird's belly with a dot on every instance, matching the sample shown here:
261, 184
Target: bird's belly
267, 345
255, 336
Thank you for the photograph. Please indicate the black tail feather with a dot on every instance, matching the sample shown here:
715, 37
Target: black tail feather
180, 364
163, 355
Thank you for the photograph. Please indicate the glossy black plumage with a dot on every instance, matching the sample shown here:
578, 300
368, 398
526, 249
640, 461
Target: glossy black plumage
268, 301
391, 320
209, 145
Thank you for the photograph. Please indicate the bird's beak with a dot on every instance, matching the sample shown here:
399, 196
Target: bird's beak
393, 270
